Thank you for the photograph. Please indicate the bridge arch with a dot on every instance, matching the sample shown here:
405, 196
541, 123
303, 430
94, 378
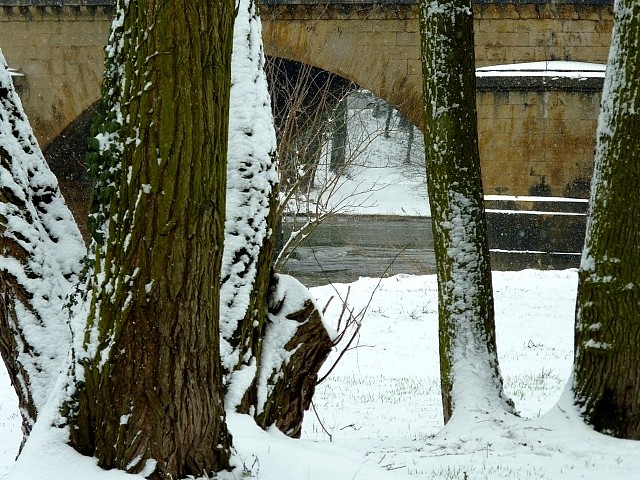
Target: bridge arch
341, 39
377, 46
58, 46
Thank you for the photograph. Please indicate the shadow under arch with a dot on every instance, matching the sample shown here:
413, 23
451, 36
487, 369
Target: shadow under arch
65, 155
387, 81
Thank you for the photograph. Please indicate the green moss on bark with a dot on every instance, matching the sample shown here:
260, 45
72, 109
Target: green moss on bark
607, 356
465, 298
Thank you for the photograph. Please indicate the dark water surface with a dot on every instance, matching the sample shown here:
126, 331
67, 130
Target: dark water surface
344, 248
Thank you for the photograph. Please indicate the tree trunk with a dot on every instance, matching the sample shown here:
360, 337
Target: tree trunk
339, 137
470, 375
252, 201
40, 260
607, 357
295, 331
248, 344
150, 396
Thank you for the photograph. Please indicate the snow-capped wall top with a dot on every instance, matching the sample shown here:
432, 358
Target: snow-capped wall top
552, 68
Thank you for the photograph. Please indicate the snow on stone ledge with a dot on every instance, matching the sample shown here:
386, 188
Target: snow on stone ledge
544, 69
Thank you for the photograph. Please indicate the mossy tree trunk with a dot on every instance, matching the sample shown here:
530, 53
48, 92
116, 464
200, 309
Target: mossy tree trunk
149, 396
339, 136
607, 356
470, 375
146, 384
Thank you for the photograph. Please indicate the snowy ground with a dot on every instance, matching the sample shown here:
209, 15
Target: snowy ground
378, 413
381, 404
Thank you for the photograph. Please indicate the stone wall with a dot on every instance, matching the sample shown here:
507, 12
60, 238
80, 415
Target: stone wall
537, 139
378, 46
60, 51
528, 32
527, 138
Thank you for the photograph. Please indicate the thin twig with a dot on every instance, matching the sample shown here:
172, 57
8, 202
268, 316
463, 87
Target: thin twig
313, 405
357, 319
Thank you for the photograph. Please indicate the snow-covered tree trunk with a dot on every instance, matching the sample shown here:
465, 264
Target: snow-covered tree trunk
251, 212
41, 251
145, 384
149, 391
253, 339
607, 353
470, 376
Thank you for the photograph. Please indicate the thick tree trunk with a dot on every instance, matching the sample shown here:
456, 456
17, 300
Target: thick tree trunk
150, 395
607, 357
470, 375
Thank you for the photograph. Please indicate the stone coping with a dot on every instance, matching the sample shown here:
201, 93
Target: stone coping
538, 83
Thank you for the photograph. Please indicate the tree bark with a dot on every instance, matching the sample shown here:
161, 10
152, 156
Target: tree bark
339, 137
470, 376
252, 198
607, 358
249, 283
149, 397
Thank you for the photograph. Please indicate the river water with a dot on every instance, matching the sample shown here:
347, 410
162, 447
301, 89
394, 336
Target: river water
344, 248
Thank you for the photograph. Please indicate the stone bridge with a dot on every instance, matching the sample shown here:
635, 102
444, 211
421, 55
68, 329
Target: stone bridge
58, 46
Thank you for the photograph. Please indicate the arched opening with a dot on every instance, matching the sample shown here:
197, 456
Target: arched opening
65, 155
354, 164
327, 126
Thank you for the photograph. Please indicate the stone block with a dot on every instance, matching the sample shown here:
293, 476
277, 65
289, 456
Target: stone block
377, 39
528, 11
604, 26
494, 26
514, 39
567, 11
349, 27
488, 11
588, 12
510, 10
412, 26
490, 56
388, 26
408, 39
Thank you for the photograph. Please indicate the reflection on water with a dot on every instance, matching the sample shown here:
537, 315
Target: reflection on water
342, 248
